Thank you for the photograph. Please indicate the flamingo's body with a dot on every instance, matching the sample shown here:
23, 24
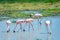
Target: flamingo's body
37, 15
28, 21
8, 22
48, 23
20, 21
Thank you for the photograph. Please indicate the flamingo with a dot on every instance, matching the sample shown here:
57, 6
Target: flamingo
48, 22
28, 21
8, 22
20, 21
38, 16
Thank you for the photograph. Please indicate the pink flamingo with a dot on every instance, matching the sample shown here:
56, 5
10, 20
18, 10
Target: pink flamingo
20, 23
48, 26
8, 22
38, 16
28, 21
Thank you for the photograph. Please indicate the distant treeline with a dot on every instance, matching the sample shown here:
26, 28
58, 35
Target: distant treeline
13, 1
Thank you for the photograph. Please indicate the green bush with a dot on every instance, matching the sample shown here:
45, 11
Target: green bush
12, 1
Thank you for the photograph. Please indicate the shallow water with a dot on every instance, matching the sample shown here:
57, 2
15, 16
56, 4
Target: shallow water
39, 33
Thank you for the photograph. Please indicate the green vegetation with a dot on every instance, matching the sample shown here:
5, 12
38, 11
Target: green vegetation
24, 15
10, 8
30, 6
15, 15
22, 1
50, 14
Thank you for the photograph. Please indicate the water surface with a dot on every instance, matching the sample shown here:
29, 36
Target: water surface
39, 33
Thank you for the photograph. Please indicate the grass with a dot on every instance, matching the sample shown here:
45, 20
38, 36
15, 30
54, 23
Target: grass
24, 15
29, 6
48, 9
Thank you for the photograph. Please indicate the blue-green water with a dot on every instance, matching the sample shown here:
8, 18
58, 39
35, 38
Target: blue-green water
39, 33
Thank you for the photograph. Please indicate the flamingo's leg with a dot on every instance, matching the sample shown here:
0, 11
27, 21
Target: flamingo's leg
21, 27
15, 28
8, 28
39, 21
32, 26
49, 30
29, 26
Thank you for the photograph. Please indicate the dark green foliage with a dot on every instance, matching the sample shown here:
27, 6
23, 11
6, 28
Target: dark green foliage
12, 1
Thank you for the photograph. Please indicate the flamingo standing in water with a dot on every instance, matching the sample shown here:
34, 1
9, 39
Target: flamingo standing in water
20, 23
38, 16
8, 22
28, 21
48, 26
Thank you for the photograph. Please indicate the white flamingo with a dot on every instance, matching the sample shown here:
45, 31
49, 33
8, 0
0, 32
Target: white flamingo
8, 22
48, 22
28, 21
20, 21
